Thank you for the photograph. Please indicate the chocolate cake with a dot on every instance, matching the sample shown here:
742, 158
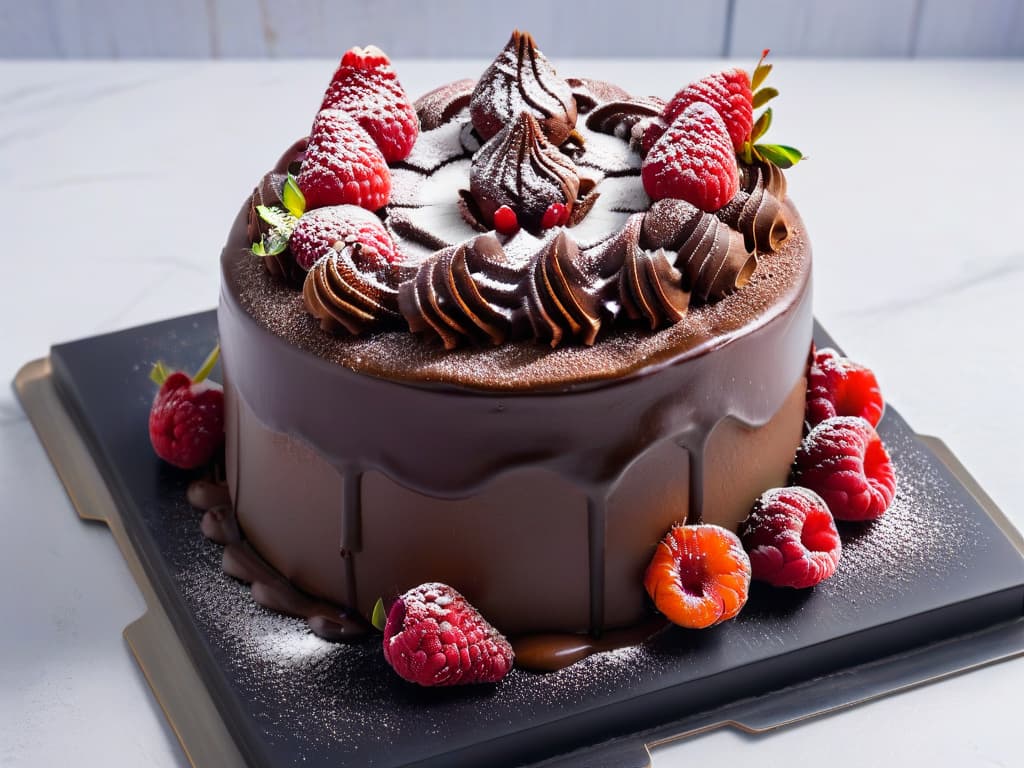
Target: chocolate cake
538, 372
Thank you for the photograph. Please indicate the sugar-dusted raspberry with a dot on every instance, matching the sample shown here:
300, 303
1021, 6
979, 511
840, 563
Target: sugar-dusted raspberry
699, 576
791, 538
843, 460
343, 165
186, 420
693, 160
728, 93
366, 87
433, 636
837, 386
319, 230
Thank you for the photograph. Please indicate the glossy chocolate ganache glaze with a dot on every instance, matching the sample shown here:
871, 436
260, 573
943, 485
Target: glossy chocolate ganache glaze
523, 415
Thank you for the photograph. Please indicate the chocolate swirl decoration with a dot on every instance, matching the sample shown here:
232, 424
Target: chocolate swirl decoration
756, 210
341, 296
650, 286
437, 107
520, 169
560, 302
713, 257
617, 118
588, 93
469, 291
521, 79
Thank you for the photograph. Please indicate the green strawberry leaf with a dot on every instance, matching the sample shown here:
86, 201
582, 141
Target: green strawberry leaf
762, 125
207, 366
380, 616
292, 197
278, 218
759, 76
159, 373
781, 155
763, 96
258, 249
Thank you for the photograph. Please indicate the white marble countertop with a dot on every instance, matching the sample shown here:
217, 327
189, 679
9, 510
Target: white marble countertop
120, 181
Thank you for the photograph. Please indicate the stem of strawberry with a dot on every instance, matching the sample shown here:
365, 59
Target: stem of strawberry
380, 616
158, 375
207, 366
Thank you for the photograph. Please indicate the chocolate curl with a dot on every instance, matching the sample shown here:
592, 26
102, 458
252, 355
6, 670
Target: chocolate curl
439, 106
560, 309
464, 293
764, 175
712, 257
650, 287
760, 217
342, 297
617, 118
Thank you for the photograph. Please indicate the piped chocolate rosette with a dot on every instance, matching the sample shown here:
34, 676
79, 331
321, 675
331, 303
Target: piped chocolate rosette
522, 206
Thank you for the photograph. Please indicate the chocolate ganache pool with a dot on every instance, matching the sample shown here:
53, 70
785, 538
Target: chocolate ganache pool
519, 415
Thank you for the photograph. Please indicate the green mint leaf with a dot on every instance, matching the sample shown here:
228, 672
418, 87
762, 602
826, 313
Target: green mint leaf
278, 218
781, 155
762, 125
258, 249
380, 616
292, 197
275, 242
759, 76
763, 96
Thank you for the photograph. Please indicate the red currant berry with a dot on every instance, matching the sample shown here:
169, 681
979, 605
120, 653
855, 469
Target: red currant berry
555, 214
506, 221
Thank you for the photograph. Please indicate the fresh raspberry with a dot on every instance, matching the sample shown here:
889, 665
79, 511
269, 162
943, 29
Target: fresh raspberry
433, 636
318, 230
843, 460
343, 165
728, 93
791, 538
837, 386
699, 576
366, 87
693, 161
186, 420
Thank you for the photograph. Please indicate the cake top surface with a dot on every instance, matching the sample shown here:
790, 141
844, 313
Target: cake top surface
520, 231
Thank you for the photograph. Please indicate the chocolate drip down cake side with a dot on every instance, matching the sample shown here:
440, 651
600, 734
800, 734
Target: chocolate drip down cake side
533, 348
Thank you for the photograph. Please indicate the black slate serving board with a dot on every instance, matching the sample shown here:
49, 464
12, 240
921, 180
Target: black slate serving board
936, 573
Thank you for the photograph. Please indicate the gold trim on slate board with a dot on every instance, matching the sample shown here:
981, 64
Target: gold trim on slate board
173, 678
170, 673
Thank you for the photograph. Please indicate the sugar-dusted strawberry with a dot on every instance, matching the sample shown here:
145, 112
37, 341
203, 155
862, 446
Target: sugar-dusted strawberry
433, 636
791, 538
365, 86
843, 460
699, 575
693, 161
837, 386
343, 165
728, 93
317, 232
186, 420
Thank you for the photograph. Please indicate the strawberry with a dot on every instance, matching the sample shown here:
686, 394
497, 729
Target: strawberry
433, 636
317, 231
186, 420
366, 87
693, 161
343, 165
728, 93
